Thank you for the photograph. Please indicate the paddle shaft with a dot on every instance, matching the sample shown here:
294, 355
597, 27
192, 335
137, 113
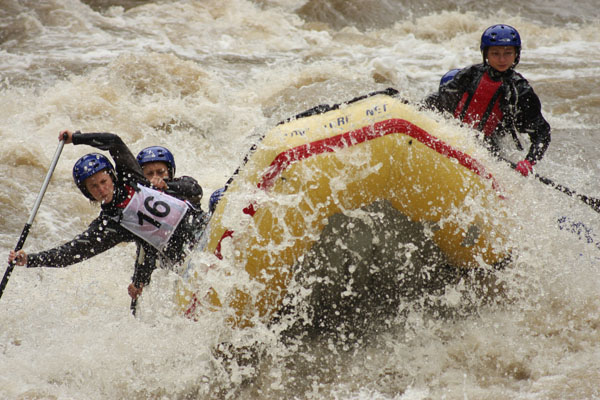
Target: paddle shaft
133, 306
594, 203
36, 206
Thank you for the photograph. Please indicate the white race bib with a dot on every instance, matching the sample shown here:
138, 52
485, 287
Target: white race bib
153, 216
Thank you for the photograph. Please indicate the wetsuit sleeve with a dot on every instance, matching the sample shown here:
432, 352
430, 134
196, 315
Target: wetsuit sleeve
185, 188
125, 161
529, 119
146, 261
433, 102
98, 238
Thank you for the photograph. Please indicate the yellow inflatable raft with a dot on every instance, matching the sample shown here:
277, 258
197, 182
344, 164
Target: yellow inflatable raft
310, 168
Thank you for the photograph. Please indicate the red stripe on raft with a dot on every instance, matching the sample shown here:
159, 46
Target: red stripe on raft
228, 233
365, 134
191, 310
351, 138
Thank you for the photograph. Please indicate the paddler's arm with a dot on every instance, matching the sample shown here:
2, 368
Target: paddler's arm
145, 263
185, 188
529, 119
95, 240
125, 161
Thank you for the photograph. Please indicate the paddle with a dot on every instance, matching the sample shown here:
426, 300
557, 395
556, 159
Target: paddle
133, 306
590, 201
27, 226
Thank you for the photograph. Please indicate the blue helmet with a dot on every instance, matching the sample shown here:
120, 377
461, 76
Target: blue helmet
157, 153
500, 35
448, 76
87, 166
214, 199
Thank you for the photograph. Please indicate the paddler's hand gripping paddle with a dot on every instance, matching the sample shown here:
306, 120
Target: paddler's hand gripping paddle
38, 201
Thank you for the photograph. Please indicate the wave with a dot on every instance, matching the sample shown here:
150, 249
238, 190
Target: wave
376, 14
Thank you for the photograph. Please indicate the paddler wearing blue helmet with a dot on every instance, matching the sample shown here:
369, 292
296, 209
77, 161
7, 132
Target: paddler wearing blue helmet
158, 166
495, 99
448, 76
162, 225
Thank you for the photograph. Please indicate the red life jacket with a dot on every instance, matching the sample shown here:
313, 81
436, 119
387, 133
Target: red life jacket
481, 110
130, 193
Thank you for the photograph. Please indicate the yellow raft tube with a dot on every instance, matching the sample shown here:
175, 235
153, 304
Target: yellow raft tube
308, 169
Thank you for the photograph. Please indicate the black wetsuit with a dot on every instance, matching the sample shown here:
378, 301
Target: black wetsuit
105, 231
184, 188
504, 102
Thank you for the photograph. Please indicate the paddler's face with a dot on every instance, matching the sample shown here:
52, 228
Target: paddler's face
100, 186
501, 58
156, 169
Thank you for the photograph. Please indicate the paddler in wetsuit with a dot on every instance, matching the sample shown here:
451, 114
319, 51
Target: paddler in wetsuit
158, 166
495, 99
131, 211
